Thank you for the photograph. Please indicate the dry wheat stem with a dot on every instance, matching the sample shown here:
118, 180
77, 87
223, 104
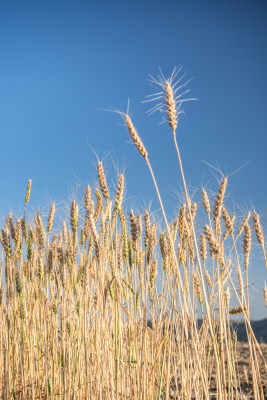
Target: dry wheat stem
265, 296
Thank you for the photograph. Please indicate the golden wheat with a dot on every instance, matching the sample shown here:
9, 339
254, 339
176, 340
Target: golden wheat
114, 314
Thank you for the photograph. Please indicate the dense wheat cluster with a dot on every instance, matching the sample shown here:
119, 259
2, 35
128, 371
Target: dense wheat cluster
84, 315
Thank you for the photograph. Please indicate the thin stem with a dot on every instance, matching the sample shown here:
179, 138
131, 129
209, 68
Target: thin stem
198, 257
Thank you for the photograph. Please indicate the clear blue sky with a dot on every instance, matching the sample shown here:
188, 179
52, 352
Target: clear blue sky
61, 62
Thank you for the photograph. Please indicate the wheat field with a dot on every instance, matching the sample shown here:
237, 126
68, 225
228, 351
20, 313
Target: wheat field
108, 305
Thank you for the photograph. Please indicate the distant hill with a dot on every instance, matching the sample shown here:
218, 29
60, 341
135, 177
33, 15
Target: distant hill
259, 329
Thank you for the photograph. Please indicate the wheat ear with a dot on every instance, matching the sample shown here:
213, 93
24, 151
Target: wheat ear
135, 137
102, 180
50, 221
259, 234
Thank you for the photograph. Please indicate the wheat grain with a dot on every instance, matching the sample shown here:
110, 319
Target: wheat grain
50, 221
164, 251
87, 197
28, 192
99, 205
258, 229
213, 244
197, 288
135, 137
228, 221
208, 278
153, 272
119, 193
219, 200
102, 180
171, 106
6, 243
134, 229
246, 244
147, 227
206, 201
237, 310
64, 232
203, 248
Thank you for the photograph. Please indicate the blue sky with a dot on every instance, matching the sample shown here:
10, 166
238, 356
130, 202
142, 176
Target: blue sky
63, 62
